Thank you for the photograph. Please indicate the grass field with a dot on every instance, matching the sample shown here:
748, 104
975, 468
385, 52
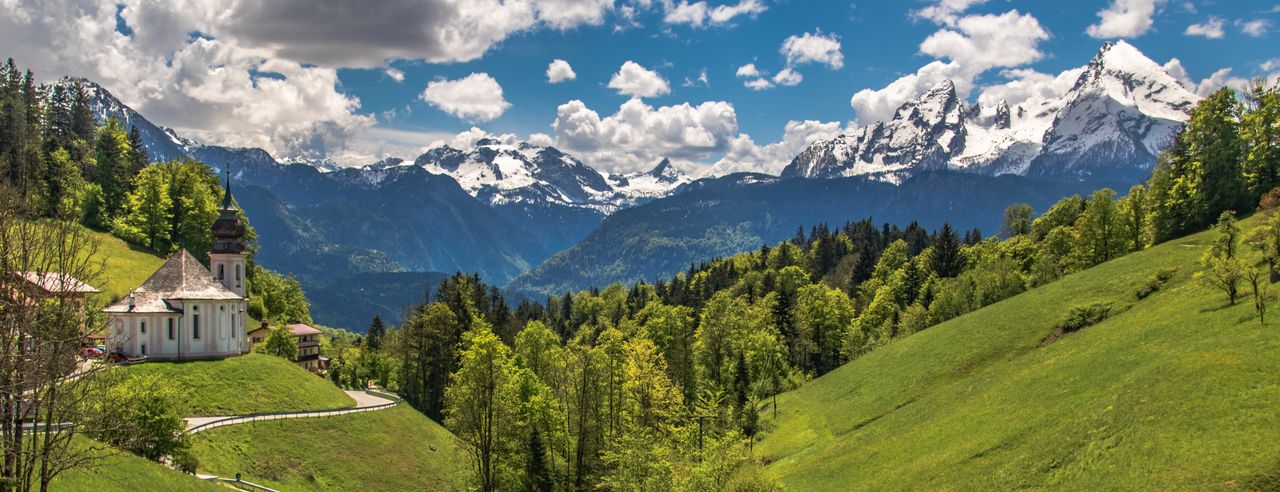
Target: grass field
393, 449
1177, 391
250, 383
126, 266
125, 472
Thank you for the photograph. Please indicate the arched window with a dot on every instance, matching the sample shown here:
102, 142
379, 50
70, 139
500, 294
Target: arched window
221, 271
237, 276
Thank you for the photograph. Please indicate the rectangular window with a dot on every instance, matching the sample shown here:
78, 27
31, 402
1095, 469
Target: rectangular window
195, 326
171, 328
143, 325
144, 349
233, 325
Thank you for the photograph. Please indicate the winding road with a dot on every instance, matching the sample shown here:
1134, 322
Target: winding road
365, 402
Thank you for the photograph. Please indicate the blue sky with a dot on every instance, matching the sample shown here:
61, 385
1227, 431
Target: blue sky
312, 79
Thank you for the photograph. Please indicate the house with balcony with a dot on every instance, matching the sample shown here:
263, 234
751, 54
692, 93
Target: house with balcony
308, 339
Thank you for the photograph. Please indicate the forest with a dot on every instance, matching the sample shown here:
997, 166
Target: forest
662, 385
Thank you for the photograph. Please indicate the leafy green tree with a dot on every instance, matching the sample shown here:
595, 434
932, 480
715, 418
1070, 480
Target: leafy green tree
1260, 287
147, 213
1220, 267
1017, 220
143, 415
481, 405
1064, 213
1098, 230
1133, 211
1260, 136
1267, 241
280, 343
672, 330
822, 315
1200, 176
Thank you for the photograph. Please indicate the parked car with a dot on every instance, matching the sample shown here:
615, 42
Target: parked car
91, 352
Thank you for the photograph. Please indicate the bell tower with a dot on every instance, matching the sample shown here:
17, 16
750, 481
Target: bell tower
227, 258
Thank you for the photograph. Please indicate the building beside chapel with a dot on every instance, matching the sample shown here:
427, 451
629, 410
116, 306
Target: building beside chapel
186, 311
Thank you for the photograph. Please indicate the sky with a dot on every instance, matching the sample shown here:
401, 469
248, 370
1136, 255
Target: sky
714, 85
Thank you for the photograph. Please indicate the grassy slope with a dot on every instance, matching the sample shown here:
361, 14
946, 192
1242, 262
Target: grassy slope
393, 449
250, 383
126, 266
125, 472
1178, 391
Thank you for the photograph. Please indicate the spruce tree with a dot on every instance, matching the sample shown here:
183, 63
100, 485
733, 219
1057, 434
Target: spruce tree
947, 261
537, 472
373, 340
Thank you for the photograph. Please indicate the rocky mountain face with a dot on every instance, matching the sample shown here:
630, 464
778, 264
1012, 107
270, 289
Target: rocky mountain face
1122, 111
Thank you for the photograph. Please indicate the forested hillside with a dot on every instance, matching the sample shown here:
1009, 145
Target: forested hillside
614, 387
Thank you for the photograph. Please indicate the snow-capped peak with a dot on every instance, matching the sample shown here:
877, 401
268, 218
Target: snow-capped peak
1122, 110
654, 183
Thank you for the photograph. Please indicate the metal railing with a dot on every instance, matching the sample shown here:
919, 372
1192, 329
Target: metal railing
263, 417
240, 484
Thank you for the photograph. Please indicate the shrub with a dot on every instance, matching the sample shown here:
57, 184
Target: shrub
1270, 199
1154, 284
1081, 317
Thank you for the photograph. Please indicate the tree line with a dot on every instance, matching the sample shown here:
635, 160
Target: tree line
660, 385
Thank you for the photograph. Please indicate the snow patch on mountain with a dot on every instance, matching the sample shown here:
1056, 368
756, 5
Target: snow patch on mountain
1123, 109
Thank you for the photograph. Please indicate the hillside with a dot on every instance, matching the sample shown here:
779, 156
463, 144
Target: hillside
394, 449
252, 383
125, 472
725, 216
1179, 390
126, 266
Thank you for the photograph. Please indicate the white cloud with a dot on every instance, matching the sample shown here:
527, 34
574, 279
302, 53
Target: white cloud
701, 80
476, 97
1211, 28
638, 134
1125, 19
788, 77
1027, 86
974, 44
195, 65
946, 11
1270, 65
559, 71
1175, 69
1219, 79
748, 70
1256, 28
813, 48
698, 14
758, 84
394, 74
635, 80
744, 155
987, 41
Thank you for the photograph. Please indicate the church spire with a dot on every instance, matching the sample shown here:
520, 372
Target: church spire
227, 203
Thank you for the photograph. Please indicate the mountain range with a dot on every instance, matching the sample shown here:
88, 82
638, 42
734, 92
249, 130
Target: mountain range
548, 222
1110, 125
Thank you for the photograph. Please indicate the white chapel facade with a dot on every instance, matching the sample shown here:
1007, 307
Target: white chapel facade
184, 311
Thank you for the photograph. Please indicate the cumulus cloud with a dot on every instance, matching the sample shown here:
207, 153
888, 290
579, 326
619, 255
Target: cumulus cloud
813, 48
1256, 28
1125, 19
758, 84
1211, 29
748, 70
559, 71
946, 11
787, 77
699, 14
639, 134
264, 74
970, 47
637, 81
394, 74
744, 155
1028, 88
476, 97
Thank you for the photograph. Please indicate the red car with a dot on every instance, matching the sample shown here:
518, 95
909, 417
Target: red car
91, 352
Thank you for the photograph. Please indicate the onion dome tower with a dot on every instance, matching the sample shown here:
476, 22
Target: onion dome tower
227, 258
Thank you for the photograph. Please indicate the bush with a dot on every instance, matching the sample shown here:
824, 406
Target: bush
1081, 317
1270, 199
1153, 285
185, 461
